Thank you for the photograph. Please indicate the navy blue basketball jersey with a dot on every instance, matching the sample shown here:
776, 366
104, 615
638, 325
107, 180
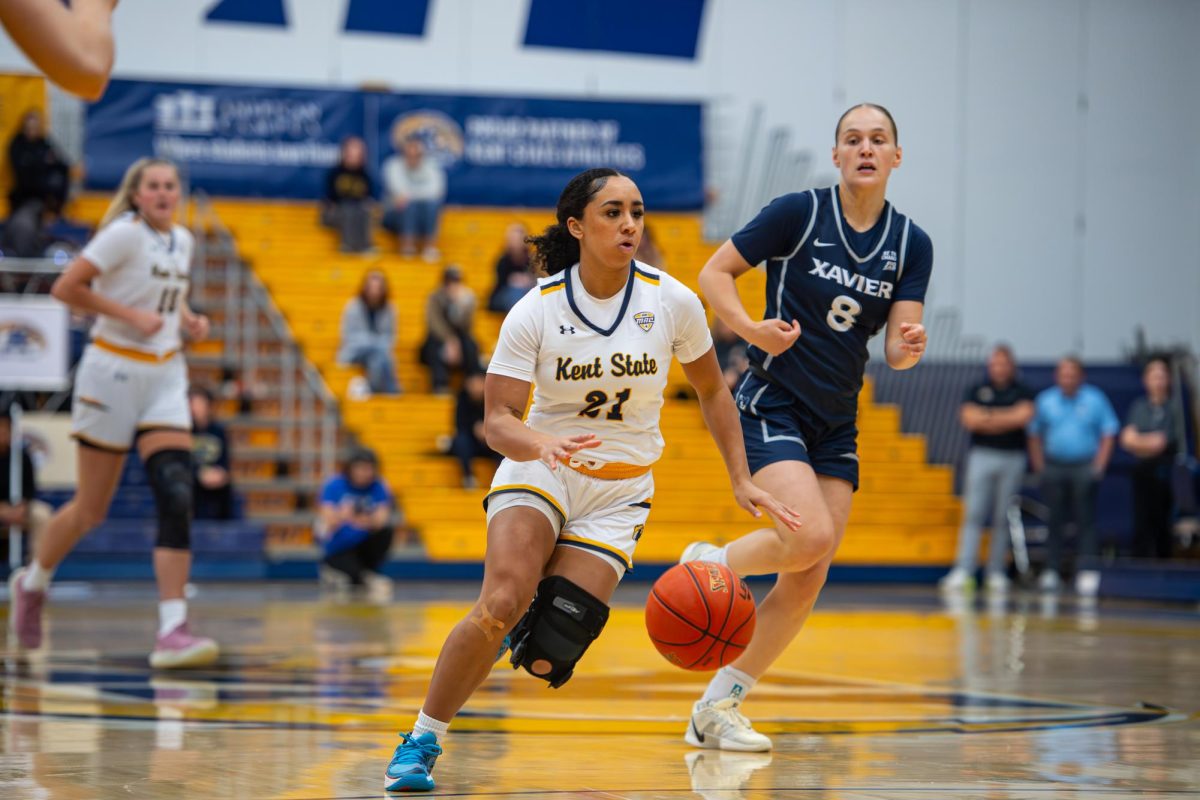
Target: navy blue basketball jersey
838, 283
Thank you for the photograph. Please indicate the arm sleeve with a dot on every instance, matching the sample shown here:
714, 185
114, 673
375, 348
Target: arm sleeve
690, 337
350, 322
392, 323
918, 267
331, 185
223, 456
381, 494
331, 492
435, 318
520, 340
1036, 424
777, 229
115, 244
1109, 424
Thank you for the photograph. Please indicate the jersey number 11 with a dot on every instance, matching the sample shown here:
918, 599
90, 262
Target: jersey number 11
169, 300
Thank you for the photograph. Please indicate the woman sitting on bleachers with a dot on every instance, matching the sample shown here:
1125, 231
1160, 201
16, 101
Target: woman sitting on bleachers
369, 333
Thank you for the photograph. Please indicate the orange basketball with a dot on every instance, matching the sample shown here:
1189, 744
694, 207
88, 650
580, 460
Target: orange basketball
700, 615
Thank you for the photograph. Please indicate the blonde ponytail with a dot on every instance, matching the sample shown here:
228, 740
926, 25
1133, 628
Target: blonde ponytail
123, 200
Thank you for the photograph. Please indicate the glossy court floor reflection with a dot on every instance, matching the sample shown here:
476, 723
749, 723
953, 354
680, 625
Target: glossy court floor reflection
889, 694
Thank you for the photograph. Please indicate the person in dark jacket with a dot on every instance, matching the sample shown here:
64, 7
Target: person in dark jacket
40, 182
469, 439
346, 206
1151, 434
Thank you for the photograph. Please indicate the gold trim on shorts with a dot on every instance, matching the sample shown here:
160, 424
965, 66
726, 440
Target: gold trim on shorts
136, 355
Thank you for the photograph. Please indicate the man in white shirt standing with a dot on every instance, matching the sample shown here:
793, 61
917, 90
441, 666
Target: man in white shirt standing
415, 187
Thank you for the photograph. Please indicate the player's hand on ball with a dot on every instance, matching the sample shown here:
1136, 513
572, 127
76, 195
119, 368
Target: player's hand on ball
752, 498
774, 335
196, 326
563, 448
148, 323
913, 338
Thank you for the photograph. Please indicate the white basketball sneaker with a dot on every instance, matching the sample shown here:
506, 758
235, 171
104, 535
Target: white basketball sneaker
718, 725
697, 551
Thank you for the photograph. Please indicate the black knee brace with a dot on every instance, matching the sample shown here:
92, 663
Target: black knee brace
558, 628
170, 476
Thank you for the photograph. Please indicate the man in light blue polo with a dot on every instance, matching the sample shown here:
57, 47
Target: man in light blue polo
1070, 442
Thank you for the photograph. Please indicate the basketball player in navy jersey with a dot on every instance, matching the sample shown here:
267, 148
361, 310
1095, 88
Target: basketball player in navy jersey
842, 264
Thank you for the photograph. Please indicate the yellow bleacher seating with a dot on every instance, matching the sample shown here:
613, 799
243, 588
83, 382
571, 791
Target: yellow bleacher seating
904, 513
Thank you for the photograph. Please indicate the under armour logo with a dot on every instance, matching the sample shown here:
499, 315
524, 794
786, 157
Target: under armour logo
566, 328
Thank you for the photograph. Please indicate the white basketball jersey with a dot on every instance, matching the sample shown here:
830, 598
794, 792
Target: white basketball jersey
600, 366
142, 268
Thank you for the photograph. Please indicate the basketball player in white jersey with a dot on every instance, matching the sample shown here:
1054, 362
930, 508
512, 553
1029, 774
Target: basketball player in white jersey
595, 340
130, 388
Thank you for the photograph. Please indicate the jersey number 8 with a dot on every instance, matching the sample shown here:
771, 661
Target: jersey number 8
842, 315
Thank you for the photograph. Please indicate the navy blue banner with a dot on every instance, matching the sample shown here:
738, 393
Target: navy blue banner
505, 151
231, 140
511, 151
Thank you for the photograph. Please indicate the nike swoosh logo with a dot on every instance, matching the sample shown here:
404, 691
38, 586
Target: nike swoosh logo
699, 735
819, 243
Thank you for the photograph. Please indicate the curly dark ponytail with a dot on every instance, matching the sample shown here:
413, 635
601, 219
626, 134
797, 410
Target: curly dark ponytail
556, 249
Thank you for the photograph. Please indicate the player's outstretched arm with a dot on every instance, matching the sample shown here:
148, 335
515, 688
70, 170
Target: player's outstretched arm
721, 418
504, 403
906, 337
72, 45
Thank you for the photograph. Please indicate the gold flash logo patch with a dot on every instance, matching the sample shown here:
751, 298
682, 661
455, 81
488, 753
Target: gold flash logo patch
644, 319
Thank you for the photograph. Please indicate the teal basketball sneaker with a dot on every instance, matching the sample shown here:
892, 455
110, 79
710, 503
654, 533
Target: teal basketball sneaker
411, 764
504, 646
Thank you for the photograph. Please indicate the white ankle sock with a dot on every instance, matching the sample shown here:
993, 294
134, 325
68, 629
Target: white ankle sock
729, 682
719, 556
427, 724
171, 614
37, 578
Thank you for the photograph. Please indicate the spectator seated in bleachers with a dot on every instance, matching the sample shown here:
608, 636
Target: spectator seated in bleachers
28, 513
449, 345
212, 483
1152, 436
414, 190
514, 273
354, 525
469, 440
40, 183
346, 206
368, 336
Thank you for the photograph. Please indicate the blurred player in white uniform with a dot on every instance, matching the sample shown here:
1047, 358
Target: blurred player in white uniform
566, 508
130, 389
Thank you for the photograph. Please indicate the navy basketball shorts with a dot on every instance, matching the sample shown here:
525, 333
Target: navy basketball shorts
778, 426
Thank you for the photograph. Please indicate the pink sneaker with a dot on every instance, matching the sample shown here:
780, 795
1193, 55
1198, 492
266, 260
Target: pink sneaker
179, 650
25, 611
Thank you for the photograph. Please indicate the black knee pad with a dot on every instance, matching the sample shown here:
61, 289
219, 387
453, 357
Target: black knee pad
170, 476
558, 628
